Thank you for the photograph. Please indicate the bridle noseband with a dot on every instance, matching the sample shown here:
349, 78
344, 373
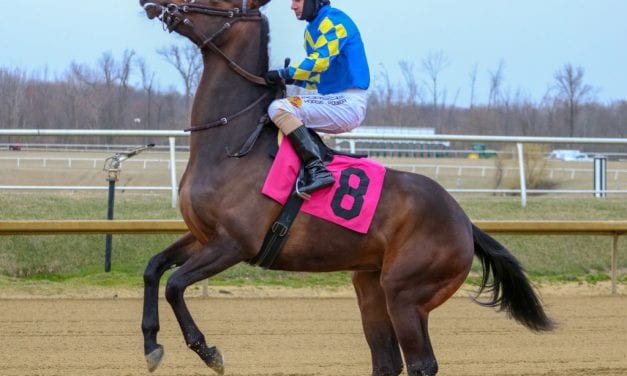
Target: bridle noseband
173, 15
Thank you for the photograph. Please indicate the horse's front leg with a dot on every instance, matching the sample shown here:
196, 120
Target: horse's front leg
175, 254
213, 259
378, 329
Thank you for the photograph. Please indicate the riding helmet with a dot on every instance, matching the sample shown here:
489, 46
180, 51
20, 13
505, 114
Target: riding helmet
311, 8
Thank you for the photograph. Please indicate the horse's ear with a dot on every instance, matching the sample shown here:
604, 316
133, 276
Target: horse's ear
259, 3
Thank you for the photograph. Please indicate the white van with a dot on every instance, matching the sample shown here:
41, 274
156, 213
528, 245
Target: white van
569, 155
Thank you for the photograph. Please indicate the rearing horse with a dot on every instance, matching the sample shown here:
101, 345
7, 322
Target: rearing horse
417, 253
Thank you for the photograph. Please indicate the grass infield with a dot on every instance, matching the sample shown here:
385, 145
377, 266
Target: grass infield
79, 259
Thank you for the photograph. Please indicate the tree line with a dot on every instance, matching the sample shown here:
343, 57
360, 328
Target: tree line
122, 93
568, 108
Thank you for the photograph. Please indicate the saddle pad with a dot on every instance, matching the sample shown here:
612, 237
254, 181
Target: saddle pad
351, 202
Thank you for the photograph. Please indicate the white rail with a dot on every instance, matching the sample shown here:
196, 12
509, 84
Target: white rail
93, 132
47, 227
349, 137
78, 188
343, 136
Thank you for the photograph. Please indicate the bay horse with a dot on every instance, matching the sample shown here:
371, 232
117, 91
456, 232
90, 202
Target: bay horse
417, 253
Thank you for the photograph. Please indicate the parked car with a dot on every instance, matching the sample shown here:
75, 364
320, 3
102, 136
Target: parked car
569, 155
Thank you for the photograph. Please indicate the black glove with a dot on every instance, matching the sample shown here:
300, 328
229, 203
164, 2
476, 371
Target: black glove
286, 68
273, 78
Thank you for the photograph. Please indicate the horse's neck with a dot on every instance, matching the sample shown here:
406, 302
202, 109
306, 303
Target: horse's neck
222, 93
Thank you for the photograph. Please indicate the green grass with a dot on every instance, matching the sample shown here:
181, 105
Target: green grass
79, 259
565, 208
556, 257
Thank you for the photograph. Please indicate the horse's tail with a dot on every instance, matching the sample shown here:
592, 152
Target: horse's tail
511, 290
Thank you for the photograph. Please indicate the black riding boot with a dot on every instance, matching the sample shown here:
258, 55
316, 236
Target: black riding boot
316, 175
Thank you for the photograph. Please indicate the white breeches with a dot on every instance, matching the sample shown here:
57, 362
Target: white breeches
333, 113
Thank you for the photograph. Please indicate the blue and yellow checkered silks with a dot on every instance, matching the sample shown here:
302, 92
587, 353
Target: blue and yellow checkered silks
336, 58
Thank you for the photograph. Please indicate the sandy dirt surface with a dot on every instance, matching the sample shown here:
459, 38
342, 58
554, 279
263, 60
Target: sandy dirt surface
57, 331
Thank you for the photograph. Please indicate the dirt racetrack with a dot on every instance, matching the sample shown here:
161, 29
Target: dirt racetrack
313, 335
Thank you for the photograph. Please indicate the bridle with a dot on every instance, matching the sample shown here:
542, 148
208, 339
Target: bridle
173, 15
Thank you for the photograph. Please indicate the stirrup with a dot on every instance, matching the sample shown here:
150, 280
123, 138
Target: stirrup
297, 192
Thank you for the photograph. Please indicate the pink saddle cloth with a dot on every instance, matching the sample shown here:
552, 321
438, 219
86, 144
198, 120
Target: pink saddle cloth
351, 202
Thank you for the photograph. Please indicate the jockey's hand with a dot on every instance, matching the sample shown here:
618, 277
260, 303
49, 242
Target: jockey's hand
277, 77
273, 78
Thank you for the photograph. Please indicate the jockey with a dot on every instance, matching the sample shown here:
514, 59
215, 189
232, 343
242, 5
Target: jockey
337, 68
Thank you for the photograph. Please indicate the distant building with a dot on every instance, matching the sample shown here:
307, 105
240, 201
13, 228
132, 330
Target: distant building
392, 148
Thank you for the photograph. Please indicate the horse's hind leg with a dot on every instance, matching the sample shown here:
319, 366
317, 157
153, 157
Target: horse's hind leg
210, 261
411, 326
378, 329
410, 296
175, 254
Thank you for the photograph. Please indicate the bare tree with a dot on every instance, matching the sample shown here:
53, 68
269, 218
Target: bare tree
496, 84
413, 93
433, 65
106, 64
124, 70
107, 87
571, 91
83, 96
473, 84
524, 115
12, 97
382, 100
387, 90
39, 98
407, 70
188, 63
111, 86
148, 87
621, 113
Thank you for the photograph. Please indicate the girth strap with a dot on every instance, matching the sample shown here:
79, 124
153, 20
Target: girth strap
277, 234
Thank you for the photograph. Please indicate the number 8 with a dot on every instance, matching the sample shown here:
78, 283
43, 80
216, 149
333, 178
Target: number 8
346, 190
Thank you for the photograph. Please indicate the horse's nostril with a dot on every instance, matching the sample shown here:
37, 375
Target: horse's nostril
152, 10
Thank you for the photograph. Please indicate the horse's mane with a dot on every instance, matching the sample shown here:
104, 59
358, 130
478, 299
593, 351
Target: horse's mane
263, 45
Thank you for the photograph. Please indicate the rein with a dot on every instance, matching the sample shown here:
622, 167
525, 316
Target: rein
227, 119
173, 15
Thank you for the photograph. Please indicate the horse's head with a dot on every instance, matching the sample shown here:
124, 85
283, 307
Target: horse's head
202, 21
233, 32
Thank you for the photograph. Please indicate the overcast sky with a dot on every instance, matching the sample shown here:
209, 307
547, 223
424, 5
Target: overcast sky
533, 39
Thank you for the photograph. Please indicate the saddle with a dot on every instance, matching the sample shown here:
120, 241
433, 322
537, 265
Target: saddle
350, 202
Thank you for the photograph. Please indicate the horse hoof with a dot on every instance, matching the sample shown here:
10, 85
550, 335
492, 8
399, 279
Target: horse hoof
217, 361
155, 358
